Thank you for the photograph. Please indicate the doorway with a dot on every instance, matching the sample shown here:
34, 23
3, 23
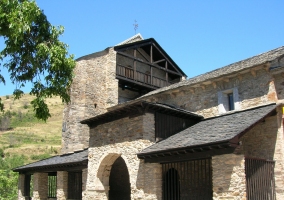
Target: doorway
119, 183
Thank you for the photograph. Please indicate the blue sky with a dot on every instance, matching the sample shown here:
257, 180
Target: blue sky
200, 36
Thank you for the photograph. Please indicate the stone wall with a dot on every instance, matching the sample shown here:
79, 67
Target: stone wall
265, 141
93, 90
21, 187
229, 182
40, 187
254, 89
123, 138
62, 185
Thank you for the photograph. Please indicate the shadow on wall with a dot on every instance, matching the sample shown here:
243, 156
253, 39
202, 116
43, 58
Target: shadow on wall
260, 141
279, 84
149, 180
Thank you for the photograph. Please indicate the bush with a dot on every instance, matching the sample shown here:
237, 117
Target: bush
5, 123
7, 96
8, 185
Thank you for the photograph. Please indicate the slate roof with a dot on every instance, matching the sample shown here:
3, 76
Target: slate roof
226, 70
225, 128
133, 107
65, 160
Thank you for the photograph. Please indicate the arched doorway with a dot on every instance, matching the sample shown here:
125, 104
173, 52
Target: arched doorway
171, 185
119, 183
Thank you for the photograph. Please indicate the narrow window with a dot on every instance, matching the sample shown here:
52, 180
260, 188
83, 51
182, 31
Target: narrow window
75, 185
228, 100
231, 101
52, 185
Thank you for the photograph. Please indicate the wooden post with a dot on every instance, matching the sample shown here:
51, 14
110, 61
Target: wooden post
134, 64
151, 60
151, 54
167, 78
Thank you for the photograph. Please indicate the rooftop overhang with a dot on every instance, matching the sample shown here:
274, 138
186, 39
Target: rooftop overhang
156, 52
210, 137
137, 108
66, 162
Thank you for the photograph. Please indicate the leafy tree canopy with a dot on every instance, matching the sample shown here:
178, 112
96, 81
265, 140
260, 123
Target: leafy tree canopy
33, 53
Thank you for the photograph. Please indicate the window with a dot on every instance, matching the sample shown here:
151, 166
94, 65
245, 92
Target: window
228, 100
75, 185
52, 185
231, 105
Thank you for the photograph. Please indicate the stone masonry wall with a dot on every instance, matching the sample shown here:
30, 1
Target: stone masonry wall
40, 187
21, 187
124, 137
229, 182
93, 90
254, 89
265, 141
62, 185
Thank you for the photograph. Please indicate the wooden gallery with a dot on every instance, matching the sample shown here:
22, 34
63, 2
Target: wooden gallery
137, 128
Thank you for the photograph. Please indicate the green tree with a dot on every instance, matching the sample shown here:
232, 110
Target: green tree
33, 53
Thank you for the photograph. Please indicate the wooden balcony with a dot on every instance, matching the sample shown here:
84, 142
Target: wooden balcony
147, 80
143, 66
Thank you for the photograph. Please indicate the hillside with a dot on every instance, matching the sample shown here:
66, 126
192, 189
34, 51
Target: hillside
27, 136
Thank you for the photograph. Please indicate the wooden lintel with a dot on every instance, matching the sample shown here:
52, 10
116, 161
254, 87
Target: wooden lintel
190, 156
253, 72
203, 87
158, 61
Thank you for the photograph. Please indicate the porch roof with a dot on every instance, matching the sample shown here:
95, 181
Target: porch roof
139, 108
213, 133
65, 161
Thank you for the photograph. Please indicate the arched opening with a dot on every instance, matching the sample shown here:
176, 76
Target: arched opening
171, 185
119, 183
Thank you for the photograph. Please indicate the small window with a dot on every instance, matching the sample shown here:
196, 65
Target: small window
52, 179
228, 100
231, 103
75, 185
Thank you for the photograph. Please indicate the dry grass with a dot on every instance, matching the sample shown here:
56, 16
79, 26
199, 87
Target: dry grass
33, 137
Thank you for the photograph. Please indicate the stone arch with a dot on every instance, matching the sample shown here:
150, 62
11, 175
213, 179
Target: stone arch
104, 169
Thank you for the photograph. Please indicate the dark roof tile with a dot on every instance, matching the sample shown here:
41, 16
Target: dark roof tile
212, 130
65, 159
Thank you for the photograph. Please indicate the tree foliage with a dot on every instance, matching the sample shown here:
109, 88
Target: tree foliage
33, 53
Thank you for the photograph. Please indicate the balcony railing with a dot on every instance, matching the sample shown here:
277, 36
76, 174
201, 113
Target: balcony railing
144, 78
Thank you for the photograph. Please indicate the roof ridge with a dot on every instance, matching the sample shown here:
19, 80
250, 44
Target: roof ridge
129, 40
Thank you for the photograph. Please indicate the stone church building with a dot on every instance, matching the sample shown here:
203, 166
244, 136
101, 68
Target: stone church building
137, 128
